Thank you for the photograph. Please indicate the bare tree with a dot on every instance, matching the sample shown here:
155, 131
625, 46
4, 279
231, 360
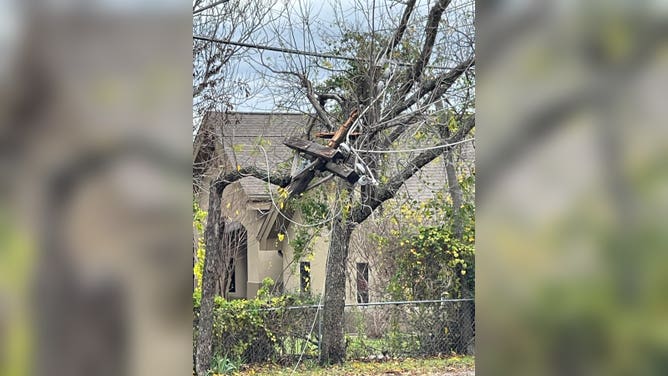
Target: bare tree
217, 85
396, 85
218, 82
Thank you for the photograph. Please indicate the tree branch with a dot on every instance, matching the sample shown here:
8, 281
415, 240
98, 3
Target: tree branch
431, 30
230, 177
313, 98
387, 191
403, 24
442, 83
331, 96
310, 93
202, 9
401, 123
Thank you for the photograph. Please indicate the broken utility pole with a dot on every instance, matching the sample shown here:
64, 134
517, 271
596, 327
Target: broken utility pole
323, 158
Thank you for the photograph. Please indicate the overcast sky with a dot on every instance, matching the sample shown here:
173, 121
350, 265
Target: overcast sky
267, 90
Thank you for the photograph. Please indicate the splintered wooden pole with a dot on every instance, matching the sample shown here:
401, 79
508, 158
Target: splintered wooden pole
301, 180
343, 172
340, 134
329, 135
313, 149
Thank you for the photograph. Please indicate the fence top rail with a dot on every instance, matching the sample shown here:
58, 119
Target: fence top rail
397, 303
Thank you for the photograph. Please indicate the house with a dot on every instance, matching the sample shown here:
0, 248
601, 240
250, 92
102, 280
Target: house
263, 238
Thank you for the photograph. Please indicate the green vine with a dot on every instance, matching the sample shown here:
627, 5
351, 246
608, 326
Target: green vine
199, 219
434, 247
314, 209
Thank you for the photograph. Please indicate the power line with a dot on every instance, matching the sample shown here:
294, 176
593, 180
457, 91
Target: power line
276, 49
415, 150
299, 52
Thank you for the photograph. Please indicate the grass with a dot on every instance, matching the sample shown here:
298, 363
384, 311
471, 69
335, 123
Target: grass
410, 366
362, 346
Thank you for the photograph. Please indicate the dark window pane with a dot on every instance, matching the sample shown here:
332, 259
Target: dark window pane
362, 282
305, 276
233, 276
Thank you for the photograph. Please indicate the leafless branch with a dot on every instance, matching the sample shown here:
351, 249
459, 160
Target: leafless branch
403, 24
215, 4
431, 30
387, 191
438, 85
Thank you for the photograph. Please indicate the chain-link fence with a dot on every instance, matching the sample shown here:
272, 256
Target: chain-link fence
419, 328
373, 331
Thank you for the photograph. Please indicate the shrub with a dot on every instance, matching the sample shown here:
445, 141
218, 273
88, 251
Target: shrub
254, 330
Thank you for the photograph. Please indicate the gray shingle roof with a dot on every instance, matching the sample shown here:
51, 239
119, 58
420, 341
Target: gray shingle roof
245, 134
432, 177
256, 189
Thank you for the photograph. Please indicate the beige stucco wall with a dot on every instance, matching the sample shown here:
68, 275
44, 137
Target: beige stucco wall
363, 250
260, 263
318, 260
263, 260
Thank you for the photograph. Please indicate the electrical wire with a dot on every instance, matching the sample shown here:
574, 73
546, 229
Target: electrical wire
357, 122
415, 150
300, 52
318, 309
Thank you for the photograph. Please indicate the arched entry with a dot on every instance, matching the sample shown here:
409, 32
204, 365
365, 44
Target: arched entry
234, 276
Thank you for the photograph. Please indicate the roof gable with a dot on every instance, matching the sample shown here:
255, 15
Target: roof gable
245, 138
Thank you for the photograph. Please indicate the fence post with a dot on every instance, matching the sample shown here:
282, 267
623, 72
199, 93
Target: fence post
319, 316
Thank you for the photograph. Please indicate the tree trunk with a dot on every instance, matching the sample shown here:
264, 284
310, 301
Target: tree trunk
332, 347
209, 278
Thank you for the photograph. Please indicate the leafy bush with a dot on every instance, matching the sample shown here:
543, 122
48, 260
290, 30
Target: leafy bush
255, 330
432, 260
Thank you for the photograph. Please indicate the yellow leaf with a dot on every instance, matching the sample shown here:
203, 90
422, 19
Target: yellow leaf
238, 167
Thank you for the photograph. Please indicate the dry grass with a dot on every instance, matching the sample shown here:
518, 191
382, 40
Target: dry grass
451, 366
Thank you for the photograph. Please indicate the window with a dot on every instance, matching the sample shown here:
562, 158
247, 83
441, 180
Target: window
304, 276
233, 276
362, 282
